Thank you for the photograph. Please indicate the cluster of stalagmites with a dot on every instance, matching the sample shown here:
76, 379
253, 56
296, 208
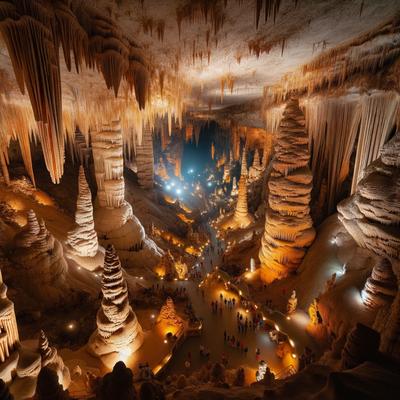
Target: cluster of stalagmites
82, 243
372, 214
114, 219
117, 326
288, 226
145, 159
40, 266
381, 287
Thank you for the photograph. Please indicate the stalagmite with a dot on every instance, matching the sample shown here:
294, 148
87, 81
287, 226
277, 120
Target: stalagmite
115, 222
40, 266
255, 170
82, 244
372, 214
51, 359
381, 287
288, 225
234, 190
241, 217
118, 330
145, 159
168, 314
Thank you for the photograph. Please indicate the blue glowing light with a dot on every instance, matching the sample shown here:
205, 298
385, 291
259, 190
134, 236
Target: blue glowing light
209, 184
178, 191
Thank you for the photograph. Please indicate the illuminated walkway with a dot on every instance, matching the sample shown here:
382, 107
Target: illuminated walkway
214, 326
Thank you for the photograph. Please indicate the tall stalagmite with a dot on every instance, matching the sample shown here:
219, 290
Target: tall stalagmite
241, 217
82, 241
145, 159
118, 330
288, 225
114, 219
372, 214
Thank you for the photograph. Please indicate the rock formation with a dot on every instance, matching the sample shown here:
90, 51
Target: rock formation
118, 329
241, 217
288, 224
9, 337
243, 165
372, 214
145, 159
362, 344
114, 219
292, 303
161, 170
234, 190
168, 314
381, 287
48, 386
51, 359
390, 335
40, 266
256, 169
82, 243
81, 149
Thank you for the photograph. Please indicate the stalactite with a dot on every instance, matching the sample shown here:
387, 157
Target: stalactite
33, 31
332, 124
259, 4
378, 114
160, 30
212, 151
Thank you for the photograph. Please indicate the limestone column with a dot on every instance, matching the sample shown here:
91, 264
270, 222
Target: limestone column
241, 215
288, 224
145, 159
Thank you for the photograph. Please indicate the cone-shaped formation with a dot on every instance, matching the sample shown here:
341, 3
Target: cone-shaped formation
256, 169
40, 266
9, 339
288, 225
372, 214
117, 326
51, 359
234, 190
381, 287
168, 314
145, 159
241, 216
83, 238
